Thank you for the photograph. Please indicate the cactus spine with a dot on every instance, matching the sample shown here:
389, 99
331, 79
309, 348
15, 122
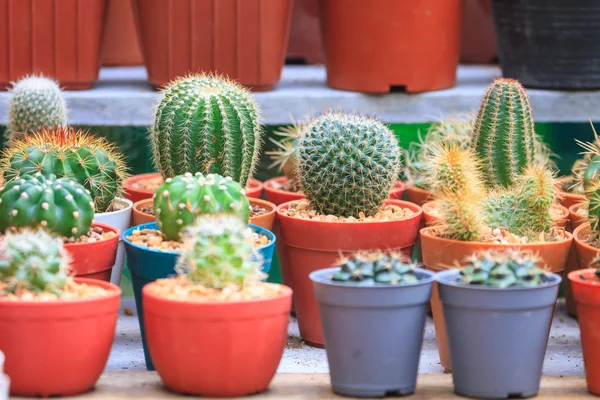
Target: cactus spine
588, 179
370, 268
206, 124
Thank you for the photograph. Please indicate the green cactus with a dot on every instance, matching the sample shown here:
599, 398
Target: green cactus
33, 261
284, 157
370, 268
35, 102
219, 253
179, 201
70, 153
347, 164
206, 124
61, 206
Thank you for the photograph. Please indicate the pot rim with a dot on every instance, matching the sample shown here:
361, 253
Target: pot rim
576, 207
269, 182
104, 227
580, 241
410, 186
123, 210
444, 278
318, 276
270, 207
575, 276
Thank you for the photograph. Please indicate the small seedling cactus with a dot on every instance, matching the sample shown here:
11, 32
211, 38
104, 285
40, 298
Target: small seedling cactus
370, 268
180, 200
34, 261
285, 155
61, 206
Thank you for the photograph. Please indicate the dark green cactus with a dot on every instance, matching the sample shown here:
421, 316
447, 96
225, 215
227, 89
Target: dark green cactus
179, 201
61, 206
347, 164
206, 124
368, 269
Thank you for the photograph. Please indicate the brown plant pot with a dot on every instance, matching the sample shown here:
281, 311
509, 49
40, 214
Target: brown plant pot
243, 39
418, 196
440, 254
373, 46
59, 38
305, 35
478, 40
584, 254
568, 199
572, 262
120, 44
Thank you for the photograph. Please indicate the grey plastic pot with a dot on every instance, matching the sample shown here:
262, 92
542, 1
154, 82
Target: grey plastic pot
373, 334
497, 337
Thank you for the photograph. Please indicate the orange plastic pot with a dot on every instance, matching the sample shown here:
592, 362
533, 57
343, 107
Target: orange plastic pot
94, 260
418, 196
254, 189
120, 44
397, 192
478, 39
587, 296
216, 349
57, 348
440, 254
313, 245
572, 263
140, 217
576, 218
374, 46
277, 196
584, 257
305, 35
568, 199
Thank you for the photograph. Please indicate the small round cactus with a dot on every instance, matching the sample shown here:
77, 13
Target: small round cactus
61, 206
347, 164
179, 201
370, 268
34, 261
453, 168
219, 253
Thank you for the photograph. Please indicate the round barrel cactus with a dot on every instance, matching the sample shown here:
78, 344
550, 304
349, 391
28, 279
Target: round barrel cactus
367, 269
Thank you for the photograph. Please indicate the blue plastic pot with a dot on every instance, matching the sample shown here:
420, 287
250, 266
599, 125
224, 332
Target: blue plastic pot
147, 265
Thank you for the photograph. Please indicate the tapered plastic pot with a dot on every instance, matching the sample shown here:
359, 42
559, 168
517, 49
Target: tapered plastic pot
313, 245
567, 199
478, 39
147, 265
120, 44
497, 337
584, 257
572, 262
58, 348
418, 196
373, 335
305, 35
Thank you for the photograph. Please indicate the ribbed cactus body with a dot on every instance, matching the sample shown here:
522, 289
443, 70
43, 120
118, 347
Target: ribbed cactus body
347, 164
61, 206
504, 136
368, 269
180, 200
206, 124
66, 152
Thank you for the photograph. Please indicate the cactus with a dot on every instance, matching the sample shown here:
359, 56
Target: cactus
535, 194
370, 268
462, 216
219, 253
503, 269
179, 201
61, 206
70, 153
452, 168
285, 155
206, 124
33, 261
35, 102
347, 164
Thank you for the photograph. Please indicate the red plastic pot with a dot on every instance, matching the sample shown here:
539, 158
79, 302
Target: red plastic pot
120, 44
305, 34
572, 262
478, 40
568, 199
216, 349
57, 348
94, 260
313, 245
418, 196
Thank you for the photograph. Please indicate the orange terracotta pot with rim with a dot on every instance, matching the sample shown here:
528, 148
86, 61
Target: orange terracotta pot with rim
573, 263
440, 254
418, 196
305, 34
120, 44
567, 199
94, 260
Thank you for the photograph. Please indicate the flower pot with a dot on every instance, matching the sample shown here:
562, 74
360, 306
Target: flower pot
147, 265
418, 196
376, 46
572, 263
478, 38
576, 218
120, 44
305, 35
58, 38
120, 219
587, 296
58, 348
441, 254
585, 255
373, 335
216, 349
550, 44
313, 245
497, 337
568, 199
94, 260
278, 196
254, 189
180, 37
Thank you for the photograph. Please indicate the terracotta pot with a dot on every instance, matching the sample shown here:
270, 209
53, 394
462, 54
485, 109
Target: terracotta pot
120, 44
140, 217
375, 46
418, 196
95, 260
216, 349
313, 245
58, 38
576, 218
478, 40
572, 262
586, 254
254, 189
397, 192
179, 37
587, 296
58, 348
567, 199
440, 254
305, 35
277, 196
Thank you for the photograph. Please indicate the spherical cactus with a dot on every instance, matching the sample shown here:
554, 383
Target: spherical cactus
33, 261
180, 200
61, 206
369, 268
347, 164
206, 124
75, 154
35, 102
219, 253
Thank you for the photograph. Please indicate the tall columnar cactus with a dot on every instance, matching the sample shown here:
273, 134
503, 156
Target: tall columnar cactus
180, 200
369, 268
75, 154
206, 124
347, 164
33, 261
61, 206
504, 136
35, 102
219, 253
